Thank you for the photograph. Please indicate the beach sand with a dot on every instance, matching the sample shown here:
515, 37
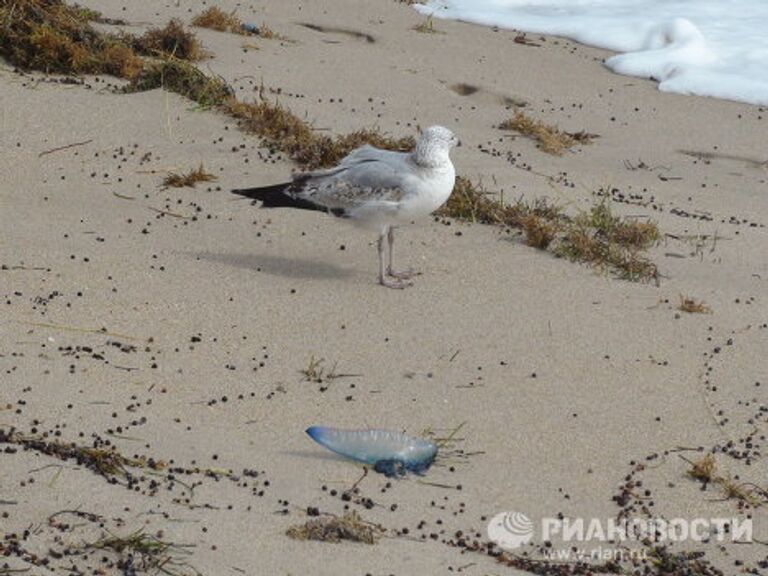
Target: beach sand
175, 323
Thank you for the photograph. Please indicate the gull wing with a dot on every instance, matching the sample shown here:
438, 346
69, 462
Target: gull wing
367, 178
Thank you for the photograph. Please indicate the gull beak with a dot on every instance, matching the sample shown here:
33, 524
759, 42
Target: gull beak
458, 144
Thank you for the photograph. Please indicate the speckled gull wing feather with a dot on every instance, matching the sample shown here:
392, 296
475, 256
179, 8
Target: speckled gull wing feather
366, 179
389, 452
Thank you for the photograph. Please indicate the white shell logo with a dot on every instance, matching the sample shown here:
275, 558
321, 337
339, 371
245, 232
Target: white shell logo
510, 530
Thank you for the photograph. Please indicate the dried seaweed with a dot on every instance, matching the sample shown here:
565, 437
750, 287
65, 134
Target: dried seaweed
188, 179
550, 138
331, 528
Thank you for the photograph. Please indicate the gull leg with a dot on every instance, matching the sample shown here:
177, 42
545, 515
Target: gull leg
384, 278
400, 274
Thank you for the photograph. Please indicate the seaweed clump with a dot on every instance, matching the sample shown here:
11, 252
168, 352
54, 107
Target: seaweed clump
550, 139
188, 179
604, 240
183, 78
704, 469
472, 203
693, 306
598, 237
747, 493
265, 32
52, 36
147, 553
173, 40
540, 221
100, 458
286, 132
215, 18
331, 528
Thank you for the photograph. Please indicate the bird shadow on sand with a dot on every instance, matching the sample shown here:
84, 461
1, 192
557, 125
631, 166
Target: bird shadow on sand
277, 265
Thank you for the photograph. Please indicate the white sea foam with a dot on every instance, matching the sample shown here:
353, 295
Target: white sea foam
713, 48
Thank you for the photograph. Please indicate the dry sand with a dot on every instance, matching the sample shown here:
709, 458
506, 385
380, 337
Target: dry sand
563, 376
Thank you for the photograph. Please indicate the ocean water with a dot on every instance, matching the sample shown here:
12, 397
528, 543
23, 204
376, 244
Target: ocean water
715, 48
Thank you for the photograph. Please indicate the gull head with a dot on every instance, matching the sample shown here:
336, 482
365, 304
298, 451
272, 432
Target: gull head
433, 146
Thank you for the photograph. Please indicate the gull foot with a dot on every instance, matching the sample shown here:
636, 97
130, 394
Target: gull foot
406, 274
396, 283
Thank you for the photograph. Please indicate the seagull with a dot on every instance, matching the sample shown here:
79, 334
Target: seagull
374, 188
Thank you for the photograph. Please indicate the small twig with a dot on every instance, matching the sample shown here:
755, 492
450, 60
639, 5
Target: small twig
691, 462
76, 329
357, 483
87, 515
333, 376
126, 368
121, 437
444, 441
44, 468
58, 148
756, 488
23, 268
167, 213
436, 484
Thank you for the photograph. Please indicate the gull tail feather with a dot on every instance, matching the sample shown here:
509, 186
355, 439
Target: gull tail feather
277, 196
